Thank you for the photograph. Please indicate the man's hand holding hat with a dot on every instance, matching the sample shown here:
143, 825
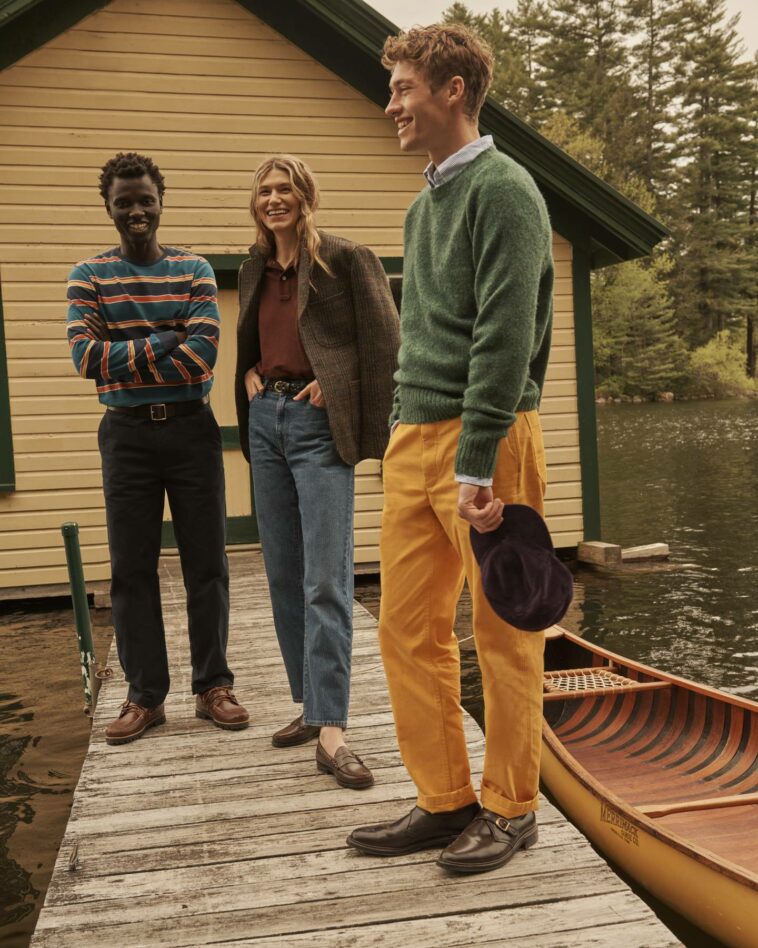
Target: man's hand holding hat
524, 581
480, 507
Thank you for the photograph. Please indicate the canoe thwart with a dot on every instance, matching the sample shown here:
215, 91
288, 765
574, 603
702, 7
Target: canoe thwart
601, 680
685, 806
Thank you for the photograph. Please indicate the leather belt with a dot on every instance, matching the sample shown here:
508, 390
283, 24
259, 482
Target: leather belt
285, 386
162, 411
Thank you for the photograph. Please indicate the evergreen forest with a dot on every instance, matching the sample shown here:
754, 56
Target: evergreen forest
659, 99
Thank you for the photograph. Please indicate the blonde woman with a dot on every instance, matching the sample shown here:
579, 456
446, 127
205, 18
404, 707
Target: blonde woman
317, 343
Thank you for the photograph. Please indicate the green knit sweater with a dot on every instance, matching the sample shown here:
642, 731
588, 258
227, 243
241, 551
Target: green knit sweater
477, 306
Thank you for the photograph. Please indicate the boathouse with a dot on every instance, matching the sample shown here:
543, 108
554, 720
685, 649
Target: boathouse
207, 88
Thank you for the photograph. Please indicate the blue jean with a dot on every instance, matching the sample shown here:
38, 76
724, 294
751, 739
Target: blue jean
304, 497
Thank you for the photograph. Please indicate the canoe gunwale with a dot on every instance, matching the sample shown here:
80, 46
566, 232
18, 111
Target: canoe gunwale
647, 824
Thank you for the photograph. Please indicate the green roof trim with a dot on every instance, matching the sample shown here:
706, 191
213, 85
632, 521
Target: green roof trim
347, 38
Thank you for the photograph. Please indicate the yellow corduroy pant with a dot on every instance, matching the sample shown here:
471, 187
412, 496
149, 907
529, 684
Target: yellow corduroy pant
425, 554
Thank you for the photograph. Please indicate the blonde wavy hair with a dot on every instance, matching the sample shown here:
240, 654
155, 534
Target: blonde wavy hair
305, 189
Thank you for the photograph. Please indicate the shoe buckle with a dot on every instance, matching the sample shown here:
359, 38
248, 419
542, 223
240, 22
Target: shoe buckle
503, 824
158, 413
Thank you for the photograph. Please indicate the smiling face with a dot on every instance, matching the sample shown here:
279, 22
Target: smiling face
422, 117
276, 204
135, 207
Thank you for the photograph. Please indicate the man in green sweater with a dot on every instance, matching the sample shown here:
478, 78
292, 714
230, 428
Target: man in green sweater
466, 439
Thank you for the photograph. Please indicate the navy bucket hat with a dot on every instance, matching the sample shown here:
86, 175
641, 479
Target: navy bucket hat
524, 581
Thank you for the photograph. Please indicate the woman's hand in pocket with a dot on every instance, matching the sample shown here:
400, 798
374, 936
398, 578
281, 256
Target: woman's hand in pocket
253, 384
314, 393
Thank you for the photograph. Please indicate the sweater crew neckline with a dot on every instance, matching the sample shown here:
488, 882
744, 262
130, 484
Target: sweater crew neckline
462, 176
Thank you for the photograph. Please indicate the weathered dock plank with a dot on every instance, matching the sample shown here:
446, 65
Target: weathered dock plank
196, 836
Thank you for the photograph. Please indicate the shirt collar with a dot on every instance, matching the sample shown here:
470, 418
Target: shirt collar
456, 162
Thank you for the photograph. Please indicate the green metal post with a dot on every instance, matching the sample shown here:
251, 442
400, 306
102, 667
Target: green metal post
70, 533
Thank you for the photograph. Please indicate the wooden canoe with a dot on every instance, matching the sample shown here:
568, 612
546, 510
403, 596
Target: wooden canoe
662, 775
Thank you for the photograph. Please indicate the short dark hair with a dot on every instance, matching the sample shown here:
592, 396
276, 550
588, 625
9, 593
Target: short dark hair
130, 165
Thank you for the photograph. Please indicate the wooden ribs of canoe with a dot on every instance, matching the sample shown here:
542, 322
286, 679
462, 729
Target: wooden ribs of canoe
662, 775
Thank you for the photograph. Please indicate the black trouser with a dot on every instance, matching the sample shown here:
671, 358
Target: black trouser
142, 459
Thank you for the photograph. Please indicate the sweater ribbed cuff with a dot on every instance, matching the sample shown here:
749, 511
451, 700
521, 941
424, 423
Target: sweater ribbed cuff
476, 455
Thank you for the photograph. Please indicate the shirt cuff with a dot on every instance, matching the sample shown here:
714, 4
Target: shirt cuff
476, 481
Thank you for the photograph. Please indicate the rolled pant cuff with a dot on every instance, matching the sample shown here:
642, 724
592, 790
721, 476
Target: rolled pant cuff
491, 800
445, 802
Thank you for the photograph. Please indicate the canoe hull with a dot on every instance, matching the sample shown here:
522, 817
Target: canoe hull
717, 903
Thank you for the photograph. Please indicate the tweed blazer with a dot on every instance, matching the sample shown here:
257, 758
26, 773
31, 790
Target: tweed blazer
349, 328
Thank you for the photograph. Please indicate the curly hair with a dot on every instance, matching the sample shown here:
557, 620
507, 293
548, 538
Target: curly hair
130, 165
305, 189
442, 51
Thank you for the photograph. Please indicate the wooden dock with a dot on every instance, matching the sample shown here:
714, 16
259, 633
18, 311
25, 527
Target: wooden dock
197, 836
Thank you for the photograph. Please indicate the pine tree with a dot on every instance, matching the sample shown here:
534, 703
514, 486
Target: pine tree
715, 162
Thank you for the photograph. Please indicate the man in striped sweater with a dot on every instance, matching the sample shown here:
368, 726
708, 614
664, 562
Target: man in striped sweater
143, 323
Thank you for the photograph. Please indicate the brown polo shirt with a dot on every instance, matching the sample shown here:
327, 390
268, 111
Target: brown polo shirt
282, 353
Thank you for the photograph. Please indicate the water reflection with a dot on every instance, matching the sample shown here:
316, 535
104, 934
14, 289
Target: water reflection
43, 740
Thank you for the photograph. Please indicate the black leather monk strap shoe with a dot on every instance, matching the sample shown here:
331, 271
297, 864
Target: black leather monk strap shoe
295, 733
417, 830
488, 842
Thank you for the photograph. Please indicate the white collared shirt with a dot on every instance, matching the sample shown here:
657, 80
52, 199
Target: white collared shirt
456, 162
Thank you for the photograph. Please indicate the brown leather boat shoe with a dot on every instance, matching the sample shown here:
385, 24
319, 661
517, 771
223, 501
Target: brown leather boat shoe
417, 830
295, 733
347, 768
489, 841
220, 706
132, 722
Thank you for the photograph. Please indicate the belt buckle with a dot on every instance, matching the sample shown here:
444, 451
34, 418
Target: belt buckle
280, 387
158, 413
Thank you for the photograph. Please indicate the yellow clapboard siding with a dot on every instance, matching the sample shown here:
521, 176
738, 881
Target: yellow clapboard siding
180, 122
230, 47
43, 423
570, 492
29, 539
367, 519
48, 520
42, 368
57, 461
367, 468
174, 64
181, 28
200, 9
237, 476
243, 141
44, 75
58, 480
51, 575
372, 501
179, 102
55, 556
367, 554
561, 437
52, 444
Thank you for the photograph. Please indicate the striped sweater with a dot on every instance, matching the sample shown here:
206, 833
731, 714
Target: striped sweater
144, 305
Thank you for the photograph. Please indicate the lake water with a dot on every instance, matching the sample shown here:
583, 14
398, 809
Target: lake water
683, 473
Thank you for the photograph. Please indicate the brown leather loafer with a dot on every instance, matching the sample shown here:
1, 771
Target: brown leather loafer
132, 722
489, 841
295, 733
417, 830
346, 767
220, 706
